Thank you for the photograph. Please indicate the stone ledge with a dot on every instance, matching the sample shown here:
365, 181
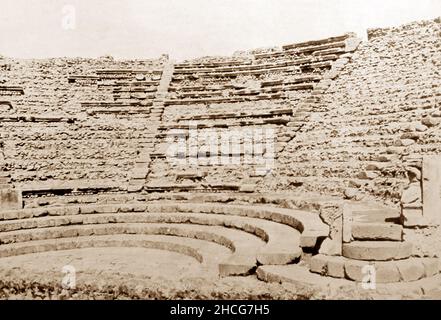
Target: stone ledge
301, 277
411, 269
377, 231
309, 224
282, 242
377, 250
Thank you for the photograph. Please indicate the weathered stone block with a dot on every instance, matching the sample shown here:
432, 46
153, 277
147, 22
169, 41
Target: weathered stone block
377, 231
10, 199
354, 269
352, 44
248, 188
432, 189
237, 266
386, 272
411, 269
413, 217
135, 186
10, 215
336, 267
45, 223
347, 223
377, 250
412, 194
82, 232
139, 207
431, 266
367, 175
308, 240
332, 215
275, 258
431, 122
319, 264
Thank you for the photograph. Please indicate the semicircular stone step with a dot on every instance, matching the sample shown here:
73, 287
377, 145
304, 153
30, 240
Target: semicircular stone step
282, 241
309, 224
377, 231
411, 269
377, 250
207, 253
245, 246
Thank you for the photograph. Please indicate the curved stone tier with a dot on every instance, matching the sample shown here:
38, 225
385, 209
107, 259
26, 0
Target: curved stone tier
377, 250
259, 235
308, 223
410, 269
303, 279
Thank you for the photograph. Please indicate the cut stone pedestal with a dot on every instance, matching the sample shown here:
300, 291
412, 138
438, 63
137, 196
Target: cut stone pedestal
10, 199
332, 215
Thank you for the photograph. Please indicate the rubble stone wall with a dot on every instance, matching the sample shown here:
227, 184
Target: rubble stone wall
371, 128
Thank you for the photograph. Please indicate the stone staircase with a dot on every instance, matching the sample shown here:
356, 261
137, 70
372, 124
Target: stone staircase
141, 168
375, 238
162, 92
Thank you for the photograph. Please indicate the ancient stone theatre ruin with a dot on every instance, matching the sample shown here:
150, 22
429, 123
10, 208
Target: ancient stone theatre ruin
315, 165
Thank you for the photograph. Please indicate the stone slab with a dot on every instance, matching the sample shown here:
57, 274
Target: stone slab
411, 269
237, 266
432, 189
347, 223
10, 199
377, 250
377, 231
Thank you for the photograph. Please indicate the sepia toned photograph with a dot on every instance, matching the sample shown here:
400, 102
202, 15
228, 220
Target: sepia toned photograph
220, 150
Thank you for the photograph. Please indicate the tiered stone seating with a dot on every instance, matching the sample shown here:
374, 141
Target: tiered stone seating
52, 137
300, 64
207, 87
70, 188
166, 166
264, 235
223, 120
133, 90
108, 151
